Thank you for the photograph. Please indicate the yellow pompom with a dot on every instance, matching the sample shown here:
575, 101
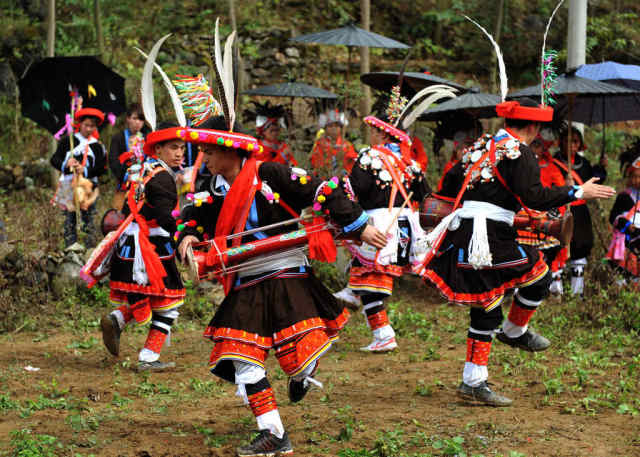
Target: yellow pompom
194, 135
198, 203
276, 196
303, 179
250, 147
228, 143
200, 229
321, 198
179, 133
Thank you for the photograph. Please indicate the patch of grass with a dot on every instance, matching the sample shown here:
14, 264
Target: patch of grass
25, 444
86, 344
210, 437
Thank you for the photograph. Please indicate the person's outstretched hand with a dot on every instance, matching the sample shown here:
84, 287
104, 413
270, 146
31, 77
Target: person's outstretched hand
592, 190
374, 237
184, 244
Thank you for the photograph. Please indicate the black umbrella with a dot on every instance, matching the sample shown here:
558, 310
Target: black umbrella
45, 89
412, 82
292, 89
350, 36
474, 104
586, 100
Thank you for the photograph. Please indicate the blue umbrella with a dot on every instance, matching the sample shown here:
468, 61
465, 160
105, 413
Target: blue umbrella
613, 73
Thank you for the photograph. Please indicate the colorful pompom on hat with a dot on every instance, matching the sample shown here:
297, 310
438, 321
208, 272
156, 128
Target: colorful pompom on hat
402, 113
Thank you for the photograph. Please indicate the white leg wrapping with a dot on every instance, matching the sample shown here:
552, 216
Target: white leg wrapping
272, 422
147, 355
473, 375
247, 373
384, 333
577, 268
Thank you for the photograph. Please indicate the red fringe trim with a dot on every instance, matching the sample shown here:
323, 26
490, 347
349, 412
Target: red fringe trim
330, 327
146, 290
484, 299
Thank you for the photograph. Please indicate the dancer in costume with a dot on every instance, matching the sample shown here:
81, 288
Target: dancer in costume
479, 260
125, 150
276, 303
581, 171
145, 283
389, 185
625, 221
332, 154
80, 157
269, 122
475, 259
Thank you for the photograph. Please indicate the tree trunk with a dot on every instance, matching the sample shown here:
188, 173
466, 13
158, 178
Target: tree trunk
98, 26
51, 28
51, 51
496, 35
441, 6
365, 103
232, 14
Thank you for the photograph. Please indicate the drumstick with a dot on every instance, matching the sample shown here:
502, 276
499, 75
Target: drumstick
404, 205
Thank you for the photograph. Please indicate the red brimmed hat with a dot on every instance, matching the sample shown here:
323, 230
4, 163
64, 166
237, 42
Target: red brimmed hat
199, 136
514, 110
90, 112
395, 132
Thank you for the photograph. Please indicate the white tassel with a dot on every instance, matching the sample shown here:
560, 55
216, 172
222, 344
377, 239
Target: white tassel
504, 89
241, 392
479, 252
421, 94
175, 99
139, 269
424, 105
146, 87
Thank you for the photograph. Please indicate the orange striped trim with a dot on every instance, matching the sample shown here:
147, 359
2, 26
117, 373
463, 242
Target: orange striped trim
492, 298
263, 402
478, 351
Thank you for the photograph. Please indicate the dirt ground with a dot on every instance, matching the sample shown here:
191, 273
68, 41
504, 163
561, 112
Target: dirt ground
401, 403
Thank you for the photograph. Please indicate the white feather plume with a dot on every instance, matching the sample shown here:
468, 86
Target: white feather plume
218, 52
175, 99
424, 105
504, 88
146, 86
227, 78
420, 95
544, 45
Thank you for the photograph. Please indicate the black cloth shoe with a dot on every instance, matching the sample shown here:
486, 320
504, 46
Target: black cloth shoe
155, 366
111, 333
297, 390
482, 394
528, 341
266, 444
